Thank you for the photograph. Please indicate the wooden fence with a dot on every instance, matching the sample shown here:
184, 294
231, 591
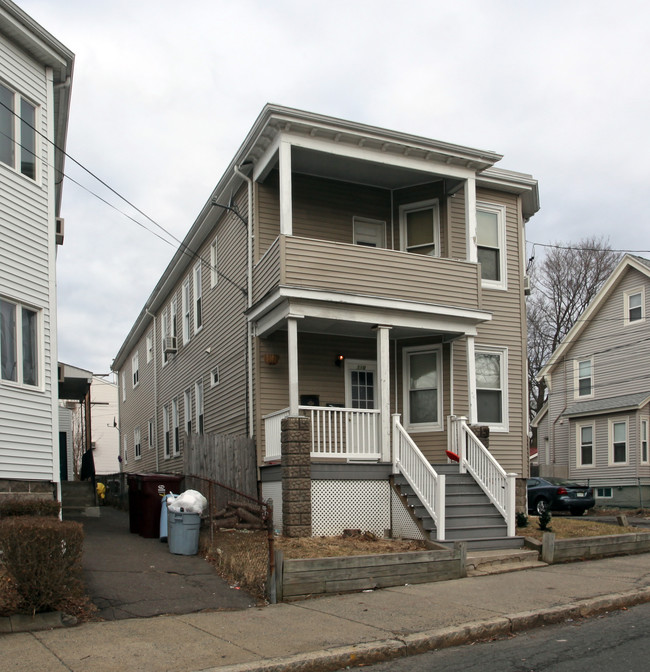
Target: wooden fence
224, 458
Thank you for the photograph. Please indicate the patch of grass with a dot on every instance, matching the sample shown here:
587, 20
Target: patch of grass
569, 528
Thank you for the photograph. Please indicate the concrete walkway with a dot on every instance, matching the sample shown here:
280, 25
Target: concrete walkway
335, 632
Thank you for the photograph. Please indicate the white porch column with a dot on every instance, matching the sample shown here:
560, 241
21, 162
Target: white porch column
383, 376
470, 218
471, 379
292, 347
286, 209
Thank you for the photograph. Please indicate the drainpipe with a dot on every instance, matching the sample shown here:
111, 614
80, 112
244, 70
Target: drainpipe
249, 302
155, 384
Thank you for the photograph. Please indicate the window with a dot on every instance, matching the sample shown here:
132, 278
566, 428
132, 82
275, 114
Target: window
17, 134
125, 451
645, 458
491, 389
369, 232
585, 445
19, 344
135, 369
172, 313
214, 273
164, 330
584, 378
149, 347
187, 403
185, 305
618, 442
420, 228
604, 493
176, 437
198, 300
635, 306
166, 431
152, 433
490, 243
423, 388
198, 393
214, 376
137, 447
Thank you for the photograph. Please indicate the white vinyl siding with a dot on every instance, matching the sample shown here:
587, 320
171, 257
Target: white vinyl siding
491, 244
423, 388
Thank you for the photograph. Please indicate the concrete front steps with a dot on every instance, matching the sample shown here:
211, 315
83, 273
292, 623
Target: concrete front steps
481, 563
78, 499
470, 516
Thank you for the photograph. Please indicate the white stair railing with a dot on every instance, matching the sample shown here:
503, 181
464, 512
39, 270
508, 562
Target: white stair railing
427, 484
476, 459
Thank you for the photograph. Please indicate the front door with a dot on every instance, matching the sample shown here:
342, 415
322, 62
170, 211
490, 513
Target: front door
361, 393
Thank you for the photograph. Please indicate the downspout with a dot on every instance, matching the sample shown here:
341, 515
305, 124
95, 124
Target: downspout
155, 384
249, 303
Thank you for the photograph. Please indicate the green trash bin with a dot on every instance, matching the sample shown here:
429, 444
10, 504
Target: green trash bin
183, 533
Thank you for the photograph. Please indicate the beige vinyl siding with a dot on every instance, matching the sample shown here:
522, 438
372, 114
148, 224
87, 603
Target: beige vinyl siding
28, 415
267, 272
458, 225
267, 207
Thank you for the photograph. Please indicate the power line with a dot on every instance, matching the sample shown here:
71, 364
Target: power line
584, 249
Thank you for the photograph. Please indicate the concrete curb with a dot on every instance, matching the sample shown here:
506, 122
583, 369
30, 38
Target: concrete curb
328, 660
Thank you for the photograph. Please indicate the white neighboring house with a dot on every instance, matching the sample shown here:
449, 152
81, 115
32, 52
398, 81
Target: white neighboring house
105, 428
35, 79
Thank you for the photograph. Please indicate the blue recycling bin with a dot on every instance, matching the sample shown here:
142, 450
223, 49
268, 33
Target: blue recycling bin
184, 529
163, 515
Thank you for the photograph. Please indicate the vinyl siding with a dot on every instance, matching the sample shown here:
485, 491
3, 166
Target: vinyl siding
27, 416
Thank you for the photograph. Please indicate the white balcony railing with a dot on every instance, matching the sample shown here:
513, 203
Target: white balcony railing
476, 459
349, 433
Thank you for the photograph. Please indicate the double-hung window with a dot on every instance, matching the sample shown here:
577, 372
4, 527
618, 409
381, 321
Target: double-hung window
187, 408
17, 134
491, 366
20, 359
584, 382
173, 317
645, 458
198, 299
214, 272
198, 395
490, 243
423, 388
166, 431
135, 369
635, 306
125, 449
585, 434
176, 437
185, 305
165, 331
617, 442
137, 446
420, 228
152, 433
149, 347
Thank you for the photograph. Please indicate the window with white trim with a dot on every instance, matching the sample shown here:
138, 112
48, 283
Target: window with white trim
20, 343
166, 432
584, 378
635, 306
137, 446
176, 437
422, 367
125, 449
135, 369
214, 273
214, 376
152, 433
198, 299
645, 458
187, 407
173, 319
604, 493
17, 135
585, 444
185, 305
420, 228
368, 232
149, 347
198, 395
617, 442
491, 387
164, 330
491, 245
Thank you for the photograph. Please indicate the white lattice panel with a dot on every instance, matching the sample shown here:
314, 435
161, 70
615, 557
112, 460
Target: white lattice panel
357, 505
403, 525
274, 491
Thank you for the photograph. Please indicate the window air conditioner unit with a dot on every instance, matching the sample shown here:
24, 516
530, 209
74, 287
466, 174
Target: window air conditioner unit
59, 230
526, 285
170, 345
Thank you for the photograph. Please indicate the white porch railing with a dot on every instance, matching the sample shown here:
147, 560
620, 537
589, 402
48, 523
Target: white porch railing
349, 433
427, 484
475, 458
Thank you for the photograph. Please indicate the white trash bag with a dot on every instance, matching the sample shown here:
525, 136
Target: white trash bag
189, 501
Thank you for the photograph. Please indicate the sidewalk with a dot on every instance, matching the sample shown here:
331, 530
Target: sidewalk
334, 632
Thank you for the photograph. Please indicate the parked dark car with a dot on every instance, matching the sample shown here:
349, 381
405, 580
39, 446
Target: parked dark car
557, 494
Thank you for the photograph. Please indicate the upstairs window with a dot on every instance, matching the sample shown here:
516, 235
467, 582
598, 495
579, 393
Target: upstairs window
166, 431
137, 446
176, 437
214, 273
617, 442
165, 332
185, 305
490, 242
634, 307
17, 134
198, 394
198, 299
135, 369
19, 344
187, 399
584, 378
420, 228
149, 347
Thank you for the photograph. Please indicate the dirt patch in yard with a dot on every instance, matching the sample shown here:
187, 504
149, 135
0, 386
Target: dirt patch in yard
570, 528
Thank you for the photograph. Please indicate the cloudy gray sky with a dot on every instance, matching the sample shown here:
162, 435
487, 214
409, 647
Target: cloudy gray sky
165, 91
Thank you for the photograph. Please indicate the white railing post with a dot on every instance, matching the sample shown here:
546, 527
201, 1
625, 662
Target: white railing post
461, 443
511, 499
440, 508
396, 456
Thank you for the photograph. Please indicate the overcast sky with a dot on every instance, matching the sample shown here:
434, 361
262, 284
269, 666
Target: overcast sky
164, 93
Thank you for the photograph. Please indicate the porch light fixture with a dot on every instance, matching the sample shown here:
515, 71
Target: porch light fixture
339, 360
271, 358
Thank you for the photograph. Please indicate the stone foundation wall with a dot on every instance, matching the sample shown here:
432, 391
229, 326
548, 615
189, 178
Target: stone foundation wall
296, 476
23, 489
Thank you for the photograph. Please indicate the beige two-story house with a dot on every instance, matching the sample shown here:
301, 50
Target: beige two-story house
369, 280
